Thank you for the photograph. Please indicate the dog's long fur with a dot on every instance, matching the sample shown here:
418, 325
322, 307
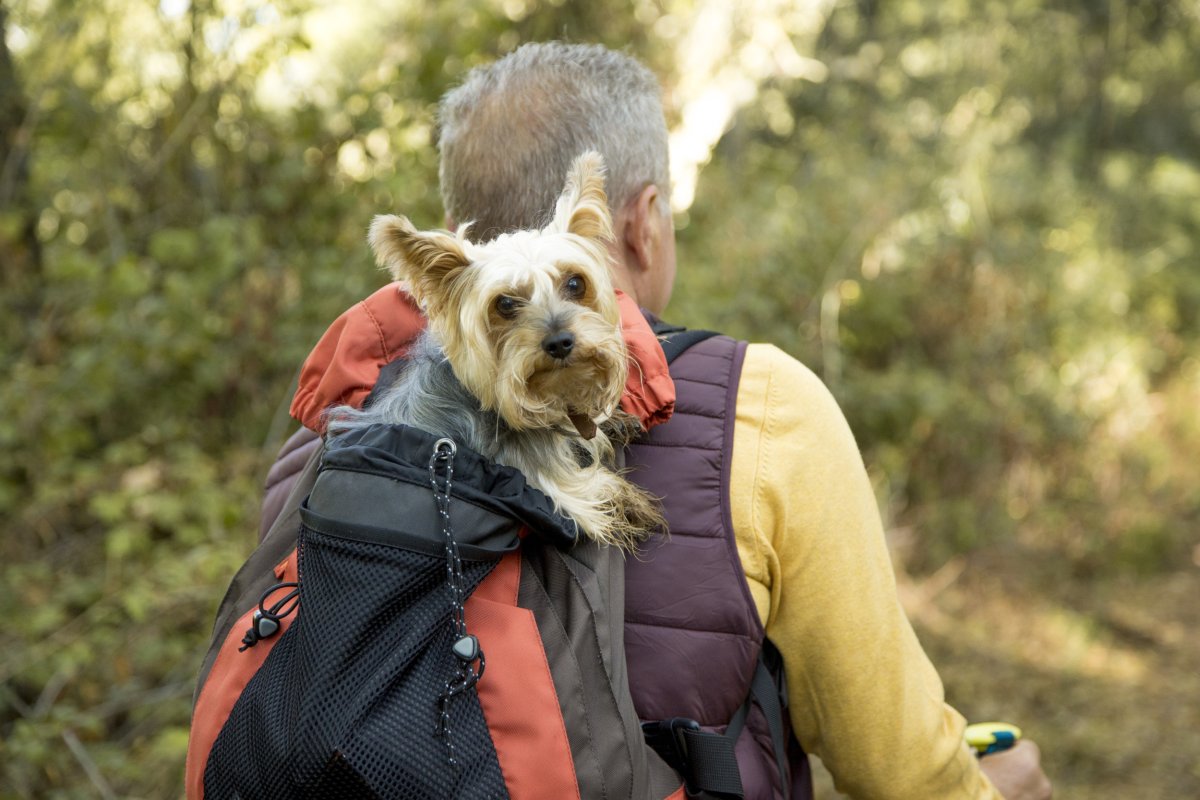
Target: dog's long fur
483, 377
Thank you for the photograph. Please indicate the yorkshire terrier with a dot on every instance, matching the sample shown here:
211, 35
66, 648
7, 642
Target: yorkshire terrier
523, 359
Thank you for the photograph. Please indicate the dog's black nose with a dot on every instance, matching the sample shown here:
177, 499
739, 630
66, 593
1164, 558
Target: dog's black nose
559, 344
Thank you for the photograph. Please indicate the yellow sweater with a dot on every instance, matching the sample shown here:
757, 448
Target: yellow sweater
864, 697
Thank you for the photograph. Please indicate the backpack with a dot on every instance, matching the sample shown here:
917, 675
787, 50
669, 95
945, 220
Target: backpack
455, 641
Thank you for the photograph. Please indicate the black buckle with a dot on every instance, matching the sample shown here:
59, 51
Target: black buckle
667, 738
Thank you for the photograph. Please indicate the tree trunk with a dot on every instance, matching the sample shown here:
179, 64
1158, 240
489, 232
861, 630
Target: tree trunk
20, 251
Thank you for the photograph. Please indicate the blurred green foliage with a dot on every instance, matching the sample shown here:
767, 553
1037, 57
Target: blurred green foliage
980, 229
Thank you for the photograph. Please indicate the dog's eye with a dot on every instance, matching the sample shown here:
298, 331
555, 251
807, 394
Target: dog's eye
575, 287
506, 306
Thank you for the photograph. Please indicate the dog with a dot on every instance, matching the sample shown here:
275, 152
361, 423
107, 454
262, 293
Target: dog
523, 358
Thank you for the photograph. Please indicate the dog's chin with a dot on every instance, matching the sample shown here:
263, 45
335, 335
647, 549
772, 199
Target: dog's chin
558, 390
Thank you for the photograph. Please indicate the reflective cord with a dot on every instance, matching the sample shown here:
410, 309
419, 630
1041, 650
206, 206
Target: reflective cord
466, 647
266, 621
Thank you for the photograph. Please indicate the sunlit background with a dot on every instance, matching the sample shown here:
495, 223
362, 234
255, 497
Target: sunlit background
977, 221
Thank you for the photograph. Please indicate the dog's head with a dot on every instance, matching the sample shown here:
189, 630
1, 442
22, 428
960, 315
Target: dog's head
529, 321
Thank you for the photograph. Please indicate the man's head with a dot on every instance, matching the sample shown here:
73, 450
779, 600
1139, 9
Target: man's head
512, 129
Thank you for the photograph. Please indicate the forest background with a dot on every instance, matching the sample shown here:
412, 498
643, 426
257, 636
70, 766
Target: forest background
976, 220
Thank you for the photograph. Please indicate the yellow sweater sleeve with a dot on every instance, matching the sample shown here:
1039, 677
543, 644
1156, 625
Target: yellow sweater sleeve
863, 695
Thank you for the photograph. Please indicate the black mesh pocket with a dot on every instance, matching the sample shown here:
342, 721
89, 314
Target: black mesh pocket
347, 703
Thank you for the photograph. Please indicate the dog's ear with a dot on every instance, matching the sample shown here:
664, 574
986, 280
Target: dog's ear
429, 260
582, 208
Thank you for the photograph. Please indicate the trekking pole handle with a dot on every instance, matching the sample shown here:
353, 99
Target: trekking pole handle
991, 737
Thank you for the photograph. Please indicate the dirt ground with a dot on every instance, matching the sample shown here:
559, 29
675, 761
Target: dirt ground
1103, 673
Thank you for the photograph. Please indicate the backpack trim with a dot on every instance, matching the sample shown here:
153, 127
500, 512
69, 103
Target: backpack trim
532, 757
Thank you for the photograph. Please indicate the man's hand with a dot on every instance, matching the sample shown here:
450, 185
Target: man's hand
1017, 772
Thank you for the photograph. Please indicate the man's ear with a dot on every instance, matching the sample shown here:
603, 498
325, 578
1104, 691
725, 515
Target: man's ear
640, 234
582, 208
430, 260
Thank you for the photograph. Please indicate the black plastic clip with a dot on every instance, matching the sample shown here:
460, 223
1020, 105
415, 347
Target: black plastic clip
666, 736
705, 760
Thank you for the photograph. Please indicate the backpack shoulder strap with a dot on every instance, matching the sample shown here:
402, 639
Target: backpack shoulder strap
676, 339
706, 760
676, 344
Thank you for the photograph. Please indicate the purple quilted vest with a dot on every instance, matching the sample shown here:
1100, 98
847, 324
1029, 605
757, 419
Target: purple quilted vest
692, 632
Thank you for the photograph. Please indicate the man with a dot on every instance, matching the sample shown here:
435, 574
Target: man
787, 490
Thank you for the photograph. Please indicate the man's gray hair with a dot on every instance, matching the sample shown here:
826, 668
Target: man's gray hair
509, 133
